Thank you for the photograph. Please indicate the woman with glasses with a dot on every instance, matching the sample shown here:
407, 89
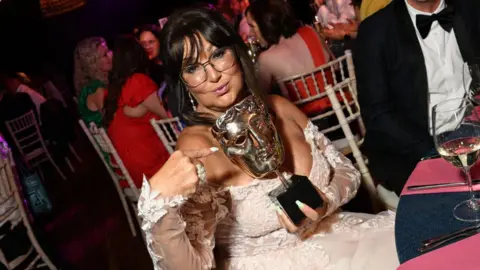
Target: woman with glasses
149, 37
131, 102
200, 200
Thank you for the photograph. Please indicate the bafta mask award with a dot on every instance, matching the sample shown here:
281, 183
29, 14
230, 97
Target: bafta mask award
248, 137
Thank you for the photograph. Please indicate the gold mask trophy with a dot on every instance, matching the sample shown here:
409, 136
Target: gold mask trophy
248, 137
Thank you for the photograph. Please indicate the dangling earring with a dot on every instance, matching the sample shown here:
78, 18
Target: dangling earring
193, 102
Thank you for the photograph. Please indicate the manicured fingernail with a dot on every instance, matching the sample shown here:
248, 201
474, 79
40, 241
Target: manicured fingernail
300, 204
214, 149
279, 210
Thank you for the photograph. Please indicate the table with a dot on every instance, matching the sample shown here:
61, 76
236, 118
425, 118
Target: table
423, 216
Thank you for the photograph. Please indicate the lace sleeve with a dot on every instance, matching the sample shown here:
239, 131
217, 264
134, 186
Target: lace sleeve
341, 182
180, 232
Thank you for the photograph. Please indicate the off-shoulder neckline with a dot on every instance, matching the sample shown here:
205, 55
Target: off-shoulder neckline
310, 128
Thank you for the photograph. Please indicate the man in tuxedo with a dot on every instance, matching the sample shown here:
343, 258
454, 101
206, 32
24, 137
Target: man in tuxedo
409, 57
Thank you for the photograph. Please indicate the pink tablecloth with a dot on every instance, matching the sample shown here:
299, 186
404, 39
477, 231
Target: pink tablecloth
436, 171
462, 255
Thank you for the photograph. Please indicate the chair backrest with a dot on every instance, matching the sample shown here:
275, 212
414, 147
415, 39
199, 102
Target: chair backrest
168, 131
340, 106
26, 133
307, 90
101, 142
9, 191
6, 188
311, 97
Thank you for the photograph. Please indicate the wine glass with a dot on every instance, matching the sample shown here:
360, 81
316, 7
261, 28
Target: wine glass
471, 80
456, 132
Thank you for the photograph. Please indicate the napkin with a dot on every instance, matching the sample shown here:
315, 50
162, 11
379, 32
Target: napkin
436, 171
460, 255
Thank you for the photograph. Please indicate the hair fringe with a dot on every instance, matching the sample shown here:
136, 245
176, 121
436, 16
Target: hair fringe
211, 25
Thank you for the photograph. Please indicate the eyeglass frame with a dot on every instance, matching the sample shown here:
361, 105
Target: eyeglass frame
208, 62
149, 43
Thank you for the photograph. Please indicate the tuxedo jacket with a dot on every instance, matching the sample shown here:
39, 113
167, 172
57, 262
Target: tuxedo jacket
393, 87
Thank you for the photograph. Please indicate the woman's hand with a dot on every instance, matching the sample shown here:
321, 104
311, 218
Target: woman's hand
339, 31
312, 214
350, 27
179, 175
335, 33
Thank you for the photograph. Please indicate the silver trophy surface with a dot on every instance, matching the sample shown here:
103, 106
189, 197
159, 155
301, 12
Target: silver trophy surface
247, 135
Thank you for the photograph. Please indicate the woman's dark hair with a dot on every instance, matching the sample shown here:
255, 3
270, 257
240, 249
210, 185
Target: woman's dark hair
187, 26
155, 30
128, 58
274, 18
152, 28
357, 3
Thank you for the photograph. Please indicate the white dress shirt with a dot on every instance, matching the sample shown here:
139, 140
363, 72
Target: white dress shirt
53, 92
35, 96
443, 61
335, 11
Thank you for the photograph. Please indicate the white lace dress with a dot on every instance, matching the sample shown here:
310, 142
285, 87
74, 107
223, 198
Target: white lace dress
242, 225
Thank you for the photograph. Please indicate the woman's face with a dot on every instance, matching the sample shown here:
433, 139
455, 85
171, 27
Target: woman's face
255, 31
105, 63
238, 6
319, 3
150, 44
215, 80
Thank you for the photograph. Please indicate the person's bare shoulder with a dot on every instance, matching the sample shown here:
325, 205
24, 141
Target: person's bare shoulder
280, 104
285, 109
271, 61
271, 55
195, 137
264, 59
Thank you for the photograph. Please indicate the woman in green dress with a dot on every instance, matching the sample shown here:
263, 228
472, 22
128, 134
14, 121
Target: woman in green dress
93, 61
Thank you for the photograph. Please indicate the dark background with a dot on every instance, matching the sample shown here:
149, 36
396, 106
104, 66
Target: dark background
28, 40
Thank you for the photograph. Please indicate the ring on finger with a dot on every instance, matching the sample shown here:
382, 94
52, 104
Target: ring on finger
201, 172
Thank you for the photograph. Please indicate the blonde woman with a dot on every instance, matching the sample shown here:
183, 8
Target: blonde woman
93, 61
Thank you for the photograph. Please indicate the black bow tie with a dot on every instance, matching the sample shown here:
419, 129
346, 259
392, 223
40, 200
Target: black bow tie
444, 18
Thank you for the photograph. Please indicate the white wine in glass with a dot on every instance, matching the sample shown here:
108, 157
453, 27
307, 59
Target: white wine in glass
456, 132
462, 153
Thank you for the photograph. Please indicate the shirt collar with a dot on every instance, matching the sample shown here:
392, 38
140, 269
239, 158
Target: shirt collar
414, 12
20, 87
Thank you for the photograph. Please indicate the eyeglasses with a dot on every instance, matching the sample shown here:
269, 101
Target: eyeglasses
220, 60
148, 43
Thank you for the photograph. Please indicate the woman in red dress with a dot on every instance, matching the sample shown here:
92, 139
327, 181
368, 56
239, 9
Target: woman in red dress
132, 101
291, 50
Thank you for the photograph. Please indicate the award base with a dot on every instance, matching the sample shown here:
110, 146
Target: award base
301, 189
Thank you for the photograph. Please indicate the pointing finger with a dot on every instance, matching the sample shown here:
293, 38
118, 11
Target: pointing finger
200, 153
